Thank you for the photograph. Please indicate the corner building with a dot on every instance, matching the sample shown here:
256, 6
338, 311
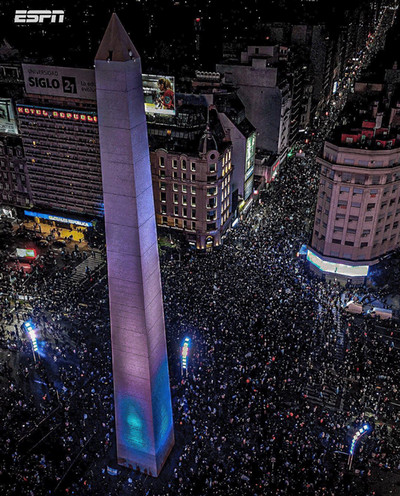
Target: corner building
358, 209
192, 190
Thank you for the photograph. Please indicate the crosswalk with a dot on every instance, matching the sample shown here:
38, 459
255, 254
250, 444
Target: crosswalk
80, 273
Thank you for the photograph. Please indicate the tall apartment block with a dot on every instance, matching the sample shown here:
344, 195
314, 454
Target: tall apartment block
143, 411
59, 130
265, 92
357, 217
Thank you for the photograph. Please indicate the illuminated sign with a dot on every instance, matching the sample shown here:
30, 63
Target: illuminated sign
67, 82
57, 114
335, 86
337, 268
363, 430
185, 353
56, 218
31, 332
21, 252
159, 94
8, 124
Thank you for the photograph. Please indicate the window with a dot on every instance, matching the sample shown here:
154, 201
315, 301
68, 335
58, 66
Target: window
340, 216
211, 215
349, 243
184, 188
337, 229
176, 197
370, 206
342, 204
351, 231
363, 245
163, 209
337, 241
183, 176
184, 199
193, 201
368, 218
184, 212
211, 191
163, 197
165, 220
175, 175
176, 210
366, 232
193, 225
175, 187
162, 186
183, 164
346, 177
356, 204
358, 191
193, 190
344, 189
193, 213
375, 179
176, 222
193, 166
213, 167
174, 164
193, 177
211, 179
211, 227
162, 174
161, 162
359, 179
353, 218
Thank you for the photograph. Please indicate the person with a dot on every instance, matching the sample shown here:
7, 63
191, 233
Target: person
166, 96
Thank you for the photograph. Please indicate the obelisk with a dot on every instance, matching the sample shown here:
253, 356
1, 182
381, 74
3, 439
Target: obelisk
143, 411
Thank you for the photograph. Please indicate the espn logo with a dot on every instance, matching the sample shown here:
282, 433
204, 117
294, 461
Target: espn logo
38, 16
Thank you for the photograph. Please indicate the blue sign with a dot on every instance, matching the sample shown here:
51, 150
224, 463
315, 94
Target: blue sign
56, 218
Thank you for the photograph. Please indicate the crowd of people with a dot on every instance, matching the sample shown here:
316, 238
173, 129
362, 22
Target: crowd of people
279, 378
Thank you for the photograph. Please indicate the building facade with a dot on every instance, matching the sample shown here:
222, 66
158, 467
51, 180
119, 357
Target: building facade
357, 216
265, 92
14, 181
61, 144
192, 190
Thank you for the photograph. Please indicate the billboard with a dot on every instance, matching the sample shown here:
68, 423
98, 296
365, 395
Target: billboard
159, 94
59, 81
8, 123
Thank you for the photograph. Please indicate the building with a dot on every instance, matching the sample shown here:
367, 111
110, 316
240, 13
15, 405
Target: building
143, 411
358, 207
58, 125
242, 134
14, 180
264, 90
191, 162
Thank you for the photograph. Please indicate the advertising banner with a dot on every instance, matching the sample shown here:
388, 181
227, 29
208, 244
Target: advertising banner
159, 94
8, 123
67, 82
